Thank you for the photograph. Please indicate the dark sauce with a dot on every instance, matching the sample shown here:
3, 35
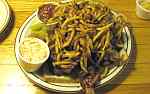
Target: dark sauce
45, 12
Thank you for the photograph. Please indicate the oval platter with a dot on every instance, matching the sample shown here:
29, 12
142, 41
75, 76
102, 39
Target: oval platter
67, 85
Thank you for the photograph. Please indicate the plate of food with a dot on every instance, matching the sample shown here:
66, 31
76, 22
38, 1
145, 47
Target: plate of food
4, 15
73, 45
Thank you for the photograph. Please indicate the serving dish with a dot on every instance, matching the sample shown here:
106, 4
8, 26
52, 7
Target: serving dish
65, 83
4, 15
141, 11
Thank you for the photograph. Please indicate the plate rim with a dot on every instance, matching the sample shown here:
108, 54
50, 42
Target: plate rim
5, 23
37, 81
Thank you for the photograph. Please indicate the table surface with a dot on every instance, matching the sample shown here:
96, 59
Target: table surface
134, 80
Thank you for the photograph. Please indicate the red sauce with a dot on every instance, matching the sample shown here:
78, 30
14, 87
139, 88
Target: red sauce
45, 12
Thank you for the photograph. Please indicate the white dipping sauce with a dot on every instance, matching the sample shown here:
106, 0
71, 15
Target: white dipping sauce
33, 50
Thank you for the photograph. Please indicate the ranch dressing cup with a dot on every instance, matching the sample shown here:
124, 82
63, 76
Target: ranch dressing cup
143, 9
33, 52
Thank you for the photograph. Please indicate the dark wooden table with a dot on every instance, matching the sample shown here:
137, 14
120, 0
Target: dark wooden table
134, 80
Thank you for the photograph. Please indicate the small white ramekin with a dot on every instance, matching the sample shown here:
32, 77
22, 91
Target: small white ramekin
31, 67
142, 12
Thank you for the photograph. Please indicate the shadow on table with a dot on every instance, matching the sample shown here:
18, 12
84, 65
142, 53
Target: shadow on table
9, 27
